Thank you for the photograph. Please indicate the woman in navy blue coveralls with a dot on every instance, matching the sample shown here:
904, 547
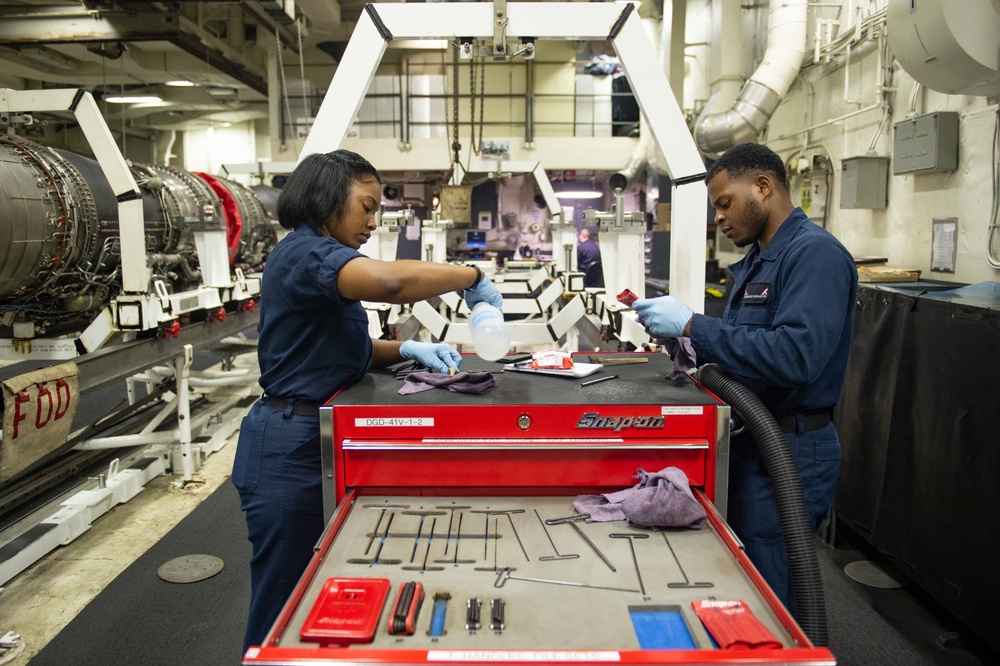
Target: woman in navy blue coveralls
785, 334
313, 342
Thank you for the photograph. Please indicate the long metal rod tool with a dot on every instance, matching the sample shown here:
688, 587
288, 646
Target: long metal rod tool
513, 528
486, 540
504, 575
381, 515
375, 531
686, 582
458, 542
635, 561
377, 559
571, 521
430, 542
508, 512
423, 516
557, 556
420, 530
496, 543
451, 519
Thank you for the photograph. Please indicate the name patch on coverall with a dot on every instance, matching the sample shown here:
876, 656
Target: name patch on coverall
756, 292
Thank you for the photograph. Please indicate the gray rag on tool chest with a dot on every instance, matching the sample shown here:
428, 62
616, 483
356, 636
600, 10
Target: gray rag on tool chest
463, 382
663, 499
682, 353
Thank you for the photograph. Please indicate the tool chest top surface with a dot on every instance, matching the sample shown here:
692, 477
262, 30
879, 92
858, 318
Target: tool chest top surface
636, 384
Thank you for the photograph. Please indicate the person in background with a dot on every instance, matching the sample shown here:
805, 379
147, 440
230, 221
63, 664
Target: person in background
588, 255
785, 334
313, 342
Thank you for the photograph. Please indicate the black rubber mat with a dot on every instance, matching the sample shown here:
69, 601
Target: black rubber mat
140, 619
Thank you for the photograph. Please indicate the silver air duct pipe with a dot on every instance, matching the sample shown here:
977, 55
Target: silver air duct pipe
636, 162
786, 44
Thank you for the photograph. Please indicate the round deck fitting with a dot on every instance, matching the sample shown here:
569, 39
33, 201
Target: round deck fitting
884, 576
190, 568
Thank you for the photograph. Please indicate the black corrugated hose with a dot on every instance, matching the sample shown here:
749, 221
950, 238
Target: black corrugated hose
807, 584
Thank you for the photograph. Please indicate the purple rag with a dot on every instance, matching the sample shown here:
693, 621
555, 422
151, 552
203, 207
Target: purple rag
663, 499
463, 382
683, 355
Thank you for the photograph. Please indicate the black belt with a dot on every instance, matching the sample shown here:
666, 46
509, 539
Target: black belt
810, 421
300, 407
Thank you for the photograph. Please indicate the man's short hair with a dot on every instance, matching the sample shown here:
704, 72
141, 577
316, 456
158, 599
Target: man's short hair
748, 160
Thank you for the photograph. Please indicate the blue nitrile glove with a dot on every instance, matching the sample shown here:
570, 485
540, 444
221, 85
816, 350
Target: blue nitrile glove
663, 317
484, 291
437, 356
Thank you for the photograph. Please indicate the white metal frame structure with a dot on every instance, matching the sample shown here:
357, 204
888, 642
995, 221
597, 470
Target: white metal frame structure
84, 109
618, 23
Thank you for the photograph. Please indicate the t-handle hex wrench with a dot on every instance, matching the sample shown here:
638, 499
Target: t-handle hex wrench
571, 521
381, 515
635, 560
558, 555
687, 582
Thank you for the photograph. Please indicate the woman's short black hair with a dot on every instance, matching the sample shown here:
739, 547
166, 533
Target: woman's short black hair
318, 188
749, 159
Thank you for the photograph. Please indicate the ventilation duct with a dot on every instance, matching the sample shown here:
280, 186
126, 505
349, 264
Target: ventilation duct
786, 44
951, 47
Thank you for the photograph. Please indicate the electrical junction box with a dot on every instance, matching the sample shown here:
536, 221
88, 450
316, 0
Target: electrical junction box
926, 144
863, 182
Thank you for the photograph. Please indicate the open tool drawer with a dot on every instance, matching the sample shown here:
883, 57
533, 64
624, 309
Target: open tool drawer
471, 497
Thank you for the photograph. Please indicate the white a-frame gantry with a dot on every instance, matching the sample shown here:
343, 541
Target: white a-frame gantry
619, 23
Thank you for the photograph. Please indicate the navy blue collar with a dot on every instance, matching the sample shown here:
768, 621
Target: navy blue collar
784, 234
782, 237
306, 230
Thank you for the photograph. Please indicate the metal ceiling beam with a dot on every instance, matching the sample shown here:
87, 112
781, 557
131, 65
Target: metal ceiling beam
42, 26
204, 46
83, 26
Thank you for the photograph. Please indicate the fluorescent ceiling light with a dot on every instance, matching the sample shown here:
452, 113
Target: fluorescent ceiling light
579, 194
133, 99
50, 58
182, 83
420, 44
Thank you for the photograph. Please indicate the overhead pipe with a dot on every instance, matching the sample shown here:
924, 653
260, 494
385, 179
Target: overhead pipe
786, 44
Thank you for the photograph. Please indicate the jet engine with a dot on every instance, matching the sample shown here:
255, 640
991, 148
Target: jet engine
60, 251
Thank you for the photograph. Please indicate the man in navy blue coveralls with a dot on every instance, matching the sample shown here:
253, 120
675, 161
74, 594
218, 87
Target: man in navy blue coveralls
785, 334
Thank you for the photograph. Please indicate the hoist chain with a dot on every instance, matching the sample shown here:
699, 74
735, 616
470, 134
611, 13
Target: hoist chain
472, 109
455, 145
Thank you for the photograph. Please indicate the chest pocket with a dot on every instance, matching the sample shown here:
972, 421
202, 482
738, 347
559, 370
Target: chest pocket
755, 316
757, 306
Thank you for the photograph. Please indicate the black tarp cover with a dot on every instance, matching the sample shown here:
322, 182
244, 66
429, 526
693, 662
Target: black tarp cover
919, 422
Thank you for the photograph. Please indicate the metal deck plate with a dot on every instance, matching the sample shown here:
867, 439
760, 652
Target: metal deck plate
190, 568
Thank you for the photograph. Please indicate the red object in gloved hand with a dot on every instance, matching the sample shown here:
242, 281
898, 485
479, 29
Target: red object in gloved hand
627, 297
734, 626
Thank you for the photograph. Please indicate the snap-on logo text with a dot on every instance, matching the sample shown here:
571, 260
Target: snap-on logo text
618, 423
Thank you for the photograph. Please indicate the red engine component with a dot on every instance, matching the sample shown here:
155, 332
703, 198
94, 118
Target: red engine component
171, 330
